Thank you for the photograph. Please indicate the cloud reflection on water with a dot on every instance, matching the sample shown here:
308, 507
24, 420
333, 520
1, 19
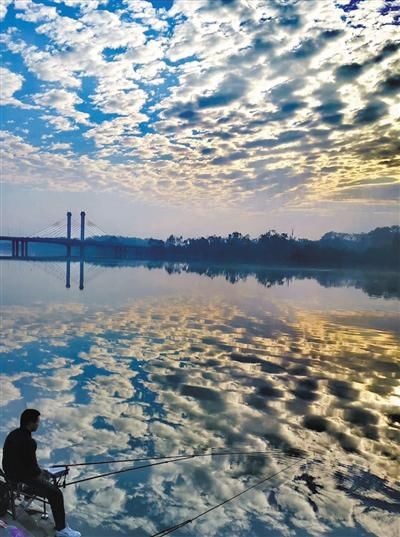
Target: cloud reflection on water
160, 375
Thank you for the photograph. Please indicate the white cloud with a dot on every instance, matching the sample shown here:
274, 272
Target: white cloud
8, 391
84, 5
64, 102
262, 88
123, 103
153, 50
59, 123
60, 147
10, 83
109, 132
4, 7
33, 12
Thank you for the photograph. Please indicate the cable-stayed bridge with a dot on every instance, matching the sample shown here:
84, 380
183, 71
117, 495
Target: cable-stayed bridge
82, 241
71, 235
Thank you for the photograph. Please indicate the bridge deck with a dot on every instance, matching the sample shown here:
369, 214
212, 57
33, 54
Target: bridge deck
73, 242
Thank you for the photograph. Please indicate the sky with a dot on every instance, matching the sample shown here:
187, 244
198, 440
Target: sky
197, 117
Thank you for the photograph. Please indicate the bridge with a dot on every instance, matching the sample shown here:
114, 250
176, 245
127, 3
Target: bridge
69, 236
78, 240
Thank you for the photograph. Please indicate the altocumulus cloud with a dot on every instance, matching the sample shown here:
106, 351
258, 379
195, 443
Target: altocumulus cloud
185, 101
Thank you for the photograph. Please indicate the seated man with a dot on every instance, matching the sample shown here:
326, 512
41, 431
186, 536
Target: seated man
20, 465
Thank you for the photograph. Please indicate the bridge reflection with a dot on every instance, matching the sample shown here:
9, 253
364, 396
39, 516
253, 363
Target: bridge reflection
68, 260
375, 284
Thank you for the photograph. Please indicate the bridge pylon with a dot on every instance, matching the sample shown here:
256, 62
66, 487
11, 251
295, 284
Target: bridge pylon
69, 228
83, 214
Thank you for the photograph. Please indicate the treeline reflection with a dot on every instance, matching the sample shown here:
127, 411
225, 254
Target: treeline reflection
382, 284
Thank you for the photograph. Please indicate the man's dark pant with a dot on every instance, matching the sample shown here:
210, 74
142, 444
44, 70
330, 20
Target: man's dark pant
46, 489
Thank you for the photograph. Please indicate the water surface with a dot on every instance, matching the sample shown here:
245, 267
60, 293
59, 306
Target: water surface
155, 360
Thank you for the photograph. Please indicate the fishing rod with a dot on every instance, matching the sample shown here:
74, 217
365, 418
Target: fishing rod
125, 470
175, 456
171, 529
163, 461
112, 461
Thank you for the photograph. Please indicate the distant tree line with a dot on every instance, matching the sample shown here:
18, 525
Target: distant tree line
378, 248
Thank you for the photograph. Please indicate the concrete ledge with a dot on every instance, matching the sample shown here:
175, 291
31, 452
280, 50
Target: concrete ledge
31, 523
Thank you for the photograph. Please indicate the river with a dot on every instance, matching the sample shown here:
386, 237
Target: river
155, 360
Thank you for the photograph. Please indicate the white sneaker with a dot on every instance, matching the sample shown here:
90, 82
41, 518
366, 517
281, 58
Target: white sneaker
67, 532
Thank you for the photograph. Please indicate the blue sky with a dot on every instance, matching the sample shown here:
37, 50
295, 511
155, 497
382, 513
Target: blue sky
201, 116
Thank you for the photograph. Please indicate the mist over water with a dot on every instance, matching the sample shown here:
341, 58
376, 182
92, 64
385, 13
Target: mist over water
159, 359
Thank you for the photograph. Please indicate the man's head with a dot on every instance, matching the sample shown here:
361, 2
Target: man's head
30, 419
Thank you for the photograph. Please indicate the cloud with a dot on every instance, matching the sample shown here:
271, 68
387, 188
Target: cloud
83, 5
123, 103
349, 71
369, 192
59, 123
371, 112
11, 83
4, 7
284, 138
391, 84
58, 147
64, 102
9, 392
32, 12
230, 90
198, 95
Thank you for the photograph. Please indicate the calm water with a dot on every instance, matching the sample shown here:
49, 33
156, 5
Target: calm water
154, 360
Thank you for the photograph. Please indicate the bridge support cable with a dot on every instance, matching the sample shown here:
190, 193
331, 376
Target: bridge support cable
93, 272
68, 229
48, 229
75, 231
93, 230
55, 233
54, 269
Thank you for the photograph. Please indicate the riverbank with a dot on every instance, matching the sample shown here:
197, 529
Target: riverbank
30, 524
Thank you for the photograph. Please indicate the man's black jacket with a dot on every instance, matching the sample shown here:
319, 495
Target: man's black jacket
19, 456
